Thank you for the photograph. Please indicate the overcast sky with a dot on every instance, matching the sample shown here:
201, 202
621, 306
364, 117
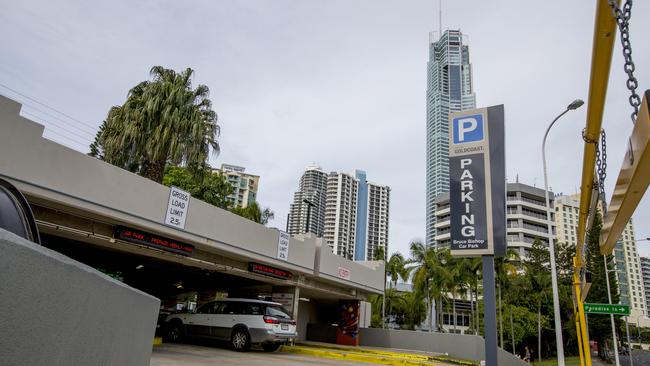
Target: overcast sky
338, 83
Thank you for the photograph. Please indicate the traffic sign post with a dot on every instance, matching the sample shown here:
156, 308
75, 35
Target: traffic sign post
477, 199
616, 309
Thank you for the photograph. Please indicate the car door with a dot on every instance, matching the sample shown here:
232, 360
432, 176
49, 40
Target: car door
224, 318
199, 323
251, 314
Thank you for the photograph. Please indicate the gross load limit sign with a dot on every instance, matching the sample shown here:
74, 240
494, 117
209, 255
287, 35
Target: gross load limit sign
179, 202
477, 195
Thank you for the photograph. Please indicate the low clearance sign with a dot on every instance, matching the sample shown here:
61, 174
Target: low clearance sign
477, 194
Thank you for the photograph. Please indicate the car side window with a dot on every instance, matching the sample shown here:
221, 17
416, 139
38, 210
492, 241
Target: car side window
251, 309
229, 308
205, 308
217, 307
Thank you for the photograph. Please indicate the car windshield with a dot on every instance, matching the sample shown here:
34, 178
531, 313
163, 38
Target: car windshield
277, 311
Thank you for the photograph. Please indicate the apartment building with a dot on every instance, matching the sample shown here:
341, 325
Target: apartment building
244, 185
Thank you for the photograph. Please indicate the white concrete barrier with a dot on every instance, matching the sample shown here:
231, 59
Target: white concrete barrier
56, 311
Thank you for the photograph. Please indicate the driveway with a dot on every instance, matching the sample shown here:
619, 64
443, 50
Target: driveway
178, 354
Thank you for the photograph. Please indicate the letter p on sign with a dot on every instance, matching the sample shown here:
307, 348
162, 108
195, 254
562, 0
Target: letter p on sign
468, 129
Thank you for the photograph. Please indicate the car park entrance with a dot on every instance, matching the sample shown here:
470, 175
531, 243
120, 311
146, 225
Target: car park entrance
84, 210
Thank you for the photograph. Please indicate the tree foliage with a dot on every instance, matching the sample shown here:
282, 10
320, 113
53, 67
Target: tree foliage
163, 121
253, 212
210, 187
600, 328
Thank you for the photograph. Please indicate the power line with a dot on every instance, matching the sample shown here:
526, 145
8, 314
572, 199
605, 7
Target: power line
67, 144
47, 106
84, 139
67, 137
29, 106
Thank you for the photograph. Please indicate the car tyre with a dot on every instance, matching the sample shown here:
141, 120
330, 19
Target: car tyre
270, 347
174, 331
240, 340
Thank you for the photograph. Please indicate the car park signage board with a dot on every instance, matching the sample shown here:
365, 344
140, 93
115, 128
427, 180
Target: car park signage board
263, 269
177, 206
616, 309
151, 240
344, 273
283, 246
477, 195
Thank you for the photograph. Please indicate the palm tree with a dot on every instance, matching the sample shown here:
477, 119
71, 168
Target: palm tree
506, 267
396, 268
162, 121
429, 275
253, 212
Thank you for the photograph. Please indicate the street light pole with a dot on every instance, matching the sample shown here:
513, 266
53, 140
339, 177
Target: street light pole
638, 330
309, 206
551, 247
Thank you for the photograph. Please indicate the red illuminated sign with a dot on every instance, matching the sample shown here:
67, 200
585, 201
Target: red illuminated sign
154, 241
269, 271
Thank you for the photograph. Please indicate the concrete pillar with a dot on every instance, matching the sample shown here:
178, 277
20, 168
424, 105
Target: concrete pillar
288, 296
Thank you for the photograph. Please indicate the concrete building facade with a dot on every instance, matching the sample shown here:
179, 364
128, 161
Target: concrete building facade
449, 89
526, 218
309, 199
625, 256
116, 221
350, 213
244, 185
645, 273
341, 214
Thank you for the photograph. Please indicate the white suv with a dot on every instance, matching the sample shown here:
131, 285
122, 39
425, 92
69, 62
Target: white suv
242, 322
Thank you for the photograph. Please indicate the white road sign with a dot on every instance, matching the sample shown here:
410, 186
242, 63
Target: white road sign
179, 202
283, 246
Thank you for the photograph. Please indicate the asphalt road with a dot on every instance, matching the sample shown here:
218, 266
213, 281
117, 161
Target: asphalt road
640, 358
201, 355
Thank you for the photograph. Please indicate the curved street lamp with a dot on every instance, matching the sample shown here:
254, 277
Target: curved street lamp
551, 246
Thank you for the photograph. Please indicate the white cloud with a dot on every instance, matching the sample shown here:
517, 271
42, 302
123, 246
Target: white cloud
340, 83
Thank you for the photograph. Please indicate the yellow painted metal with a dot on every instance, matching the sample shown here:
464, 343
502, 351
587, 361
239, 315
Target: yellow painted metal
632, 183
583, 344
601, 59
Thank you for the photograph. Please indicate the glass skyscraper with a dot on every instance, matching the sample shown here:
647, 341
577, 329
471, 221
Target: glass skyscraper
449, 89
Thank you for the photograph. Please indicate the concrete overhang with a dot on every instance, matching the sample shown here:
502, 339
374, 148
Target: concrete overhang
64, 180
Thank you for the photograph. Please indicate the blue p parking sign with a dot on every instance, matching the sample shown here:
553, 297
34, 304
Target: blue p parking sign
468, 128
477, 189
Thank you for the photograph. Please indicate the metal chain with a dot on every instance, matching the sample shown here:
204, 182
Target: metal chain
601, 166
622, 17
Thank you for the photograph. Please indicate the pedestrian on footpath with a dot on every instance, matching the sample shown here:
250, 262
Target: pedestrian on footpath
527, 355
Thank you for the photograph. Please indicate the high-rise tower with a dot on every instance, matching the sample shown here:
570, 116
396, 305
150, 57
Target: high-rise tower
347, 211
449, 89
309, 200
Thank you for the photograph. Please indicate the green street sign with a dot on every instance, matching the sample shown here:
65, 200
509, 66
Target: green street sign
616, 309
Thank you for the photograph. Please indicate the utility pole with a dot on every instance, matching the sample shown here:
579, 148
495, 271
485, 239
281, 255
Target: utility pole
611, 316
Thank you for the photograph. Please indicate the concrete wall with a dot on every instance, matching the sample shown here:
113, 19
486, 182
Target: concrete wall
366, 275
59, 312
75, 179
467, 347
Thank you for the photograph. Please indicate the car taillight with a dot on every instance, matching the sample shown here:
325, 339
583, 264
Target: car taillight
293, 322
271, 320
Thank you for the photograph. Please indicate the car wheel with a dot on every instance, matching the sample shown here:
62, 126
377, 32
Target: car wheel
174, 331
240, 340
270, 347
